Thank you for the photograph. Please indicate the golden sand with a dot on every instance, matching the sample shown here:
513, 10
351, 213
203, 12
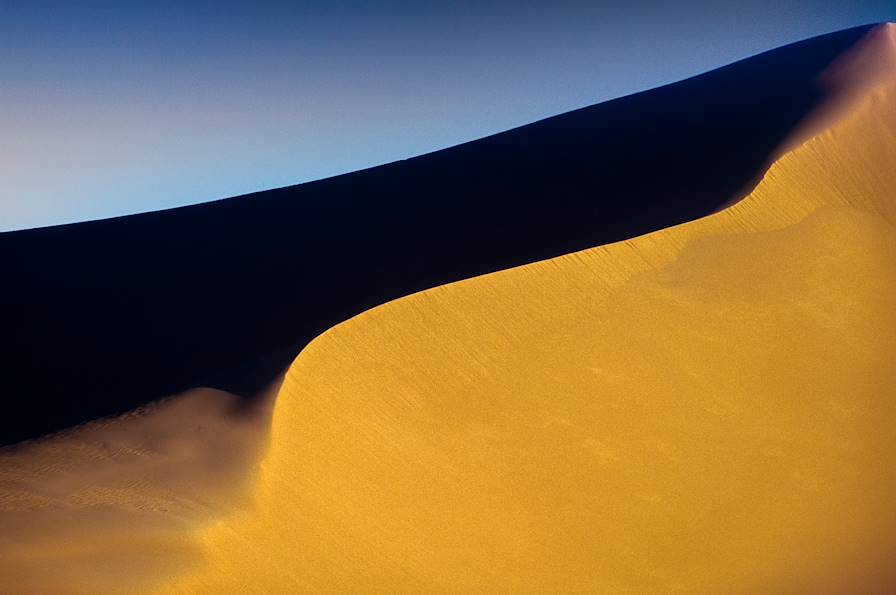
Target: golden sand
708, 408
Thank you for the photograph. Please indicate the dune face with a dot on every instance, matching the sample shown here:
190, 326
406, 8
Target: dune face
707, 408
226, 294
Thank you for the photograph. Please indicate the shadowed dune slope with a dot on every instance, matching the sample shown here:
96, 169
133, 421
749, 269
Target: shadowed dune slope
104, 316
707, 408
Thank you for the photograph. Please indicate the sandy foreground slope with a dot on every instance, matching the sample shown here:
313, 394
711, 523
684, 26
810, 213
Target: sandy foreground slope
116, 503
707, 408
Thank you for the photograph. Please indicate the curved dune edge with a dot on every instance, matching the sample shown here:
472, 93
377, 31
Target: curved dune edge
147, 319
705, 408
869, 64
847, 81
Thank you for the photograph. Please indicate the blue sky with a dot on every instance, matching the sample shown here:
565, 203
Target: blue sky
108, 109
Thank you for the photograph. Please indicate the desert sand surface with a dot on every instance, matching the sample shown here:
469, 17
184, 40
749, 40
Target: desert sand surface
705, 408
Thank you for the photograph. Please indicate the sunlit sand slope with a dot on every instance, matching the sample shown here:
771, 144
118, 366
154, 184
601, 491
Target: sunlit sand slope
707, 408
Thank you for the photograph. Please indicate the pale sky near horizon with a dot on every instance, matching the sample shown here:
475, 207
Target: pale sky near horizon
107, 109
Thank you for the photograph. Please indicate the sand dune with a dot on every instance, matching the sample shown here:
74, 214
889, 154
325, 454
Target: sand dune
226, 294
705, 408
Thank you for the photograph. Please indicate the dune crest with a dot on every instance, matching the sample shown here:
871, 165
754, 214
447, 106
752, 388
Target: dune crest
707, 408
867, 66
225, 294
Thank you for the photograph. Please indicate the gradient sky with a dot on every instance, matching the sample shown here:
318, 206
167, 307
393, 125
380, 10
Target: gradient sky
107, 109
